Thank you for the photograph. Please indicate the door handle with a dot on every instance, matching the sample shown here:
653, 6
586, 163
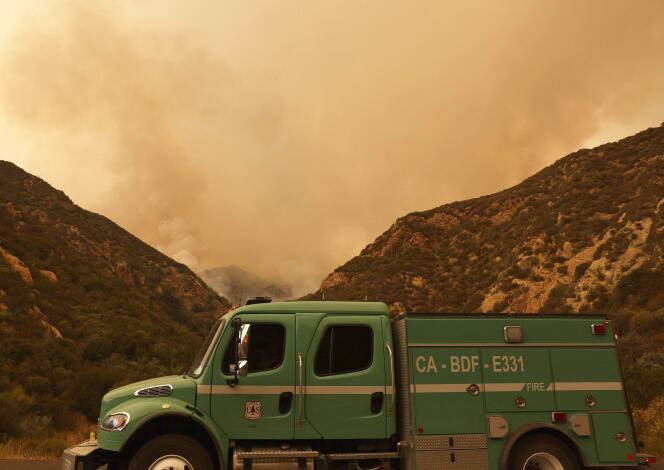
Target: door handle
285, 402
377, 399
300, 401
392, 378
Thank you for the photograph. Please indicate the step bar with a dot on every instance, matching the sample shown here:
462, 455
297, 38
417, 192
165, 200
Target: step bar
305, 458
361, 456
277, 454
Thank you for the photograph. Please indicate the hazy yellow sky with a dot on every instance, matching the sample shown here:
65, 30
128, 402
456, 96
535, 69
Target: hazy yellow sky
283, 136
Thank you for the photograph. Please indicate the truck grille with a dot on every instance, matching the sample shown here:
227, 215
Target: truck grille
156, 391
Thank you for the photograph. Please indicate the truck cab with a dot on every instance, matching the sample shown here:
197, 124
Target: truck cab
335, 385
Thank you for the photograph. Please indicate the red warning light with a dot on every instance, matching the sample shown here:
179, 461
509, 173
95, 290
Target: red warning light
630, 457
559, 417
598, 328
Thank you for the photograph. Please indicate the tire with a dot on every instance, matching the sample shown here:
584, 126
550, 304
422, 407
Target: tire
171, 451
542, 452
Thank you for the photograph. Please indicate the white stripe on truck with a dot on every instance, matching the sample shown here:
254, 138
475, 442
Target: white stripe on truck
574, 386
516, 387
414, 388
278, 389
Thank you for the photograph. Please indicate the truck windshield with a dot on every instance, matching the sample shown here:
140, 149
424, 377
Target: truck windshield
205, 351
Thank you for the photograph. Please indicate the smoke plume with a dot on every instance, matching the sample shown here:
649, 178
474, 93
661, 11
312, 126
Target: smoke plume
284, 136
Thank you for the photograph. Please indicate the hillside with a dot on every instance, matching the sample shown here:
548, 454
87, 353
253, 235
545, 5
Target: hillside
237, 284
584, 234
84, 306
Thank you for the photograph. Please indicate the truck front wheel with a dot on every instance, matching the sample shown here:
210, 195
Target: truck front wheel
541, 452
171, 452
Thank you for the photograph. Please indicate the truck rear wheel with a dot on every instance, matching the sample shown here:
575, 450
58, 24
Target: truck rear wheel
541, 452
171, 452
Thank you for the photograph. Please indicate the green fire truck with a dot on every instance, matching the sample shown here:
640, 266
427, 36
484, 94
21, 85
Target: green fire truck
343, 385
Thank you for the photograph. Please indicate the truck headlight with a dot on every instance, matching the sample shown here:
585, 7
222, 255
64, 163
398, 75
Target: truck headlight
115, 422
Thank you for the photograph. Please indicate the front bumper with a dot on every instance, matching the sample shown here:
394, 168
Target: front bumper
84, 456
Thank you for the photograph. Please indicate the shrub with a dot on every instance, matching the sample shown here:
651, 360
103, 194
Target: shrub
649, 422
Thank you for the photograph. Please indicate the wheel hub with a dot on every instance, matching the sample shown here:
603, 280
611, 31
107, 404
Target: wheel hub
543, 461
171, 462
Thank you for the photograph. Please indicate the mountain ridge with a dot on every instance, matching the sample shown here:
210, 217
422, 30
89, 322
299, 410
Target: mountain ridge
84, 306
583, 223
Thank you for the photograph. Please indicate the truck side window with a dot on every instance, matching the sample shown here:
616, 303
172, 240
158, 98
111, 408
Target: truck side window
343, 349
266, 348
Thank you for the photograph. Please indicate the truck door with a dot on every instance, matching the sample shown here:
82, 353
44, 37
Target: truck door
344, 373
260, 406
448, 391
517, 380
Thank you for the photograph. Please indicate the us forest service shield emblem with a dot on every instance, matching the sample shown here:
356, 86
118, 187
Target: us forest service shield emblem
253, 410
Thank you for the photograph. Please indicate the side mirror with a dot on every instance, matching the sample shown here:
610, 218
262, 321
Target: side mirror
241, 366
243, 342
243, 350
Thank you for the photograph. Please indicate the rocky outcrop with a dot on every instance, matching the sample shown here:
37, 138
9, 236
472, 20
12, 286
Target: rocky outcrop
16, 265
